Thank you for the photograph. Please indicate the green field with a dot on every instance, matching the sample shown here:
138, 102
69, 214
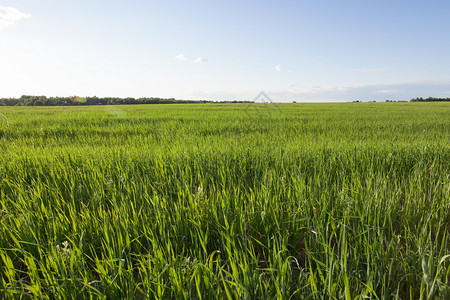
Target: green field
226, 201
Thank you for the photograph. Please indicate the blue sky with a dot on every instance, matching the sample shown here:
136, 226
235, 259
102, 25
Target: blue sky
226, 50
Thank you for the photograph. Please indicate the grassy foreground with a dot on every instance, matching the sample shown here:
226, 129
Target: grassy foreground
293, 201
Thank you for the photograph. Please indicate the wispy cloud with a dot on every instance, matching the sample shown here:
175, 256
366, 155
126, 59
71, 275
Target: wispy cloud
385, 91
343, 93
200, 60
10, 15
180, 57
365, 92
202, 76
370, 70
318, 89
278, 68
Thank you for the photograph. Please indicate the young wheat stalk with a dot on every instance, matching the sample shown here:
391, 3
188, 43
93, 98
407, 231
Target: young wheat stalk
6, 119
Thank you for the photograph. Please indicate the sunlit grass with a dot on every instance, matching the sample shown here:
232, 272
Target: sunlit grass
226, 201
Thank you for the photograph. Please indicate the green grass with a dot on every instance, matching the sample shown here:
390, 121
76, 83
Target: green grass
293, 201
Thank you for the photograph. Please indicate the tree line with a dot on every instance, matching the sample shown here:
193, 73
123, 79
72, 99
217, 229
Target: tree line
27, 100
429, 99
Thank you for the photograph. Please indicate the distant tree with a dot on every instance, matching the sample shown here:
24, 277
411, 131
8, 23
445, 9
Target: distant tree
429, 99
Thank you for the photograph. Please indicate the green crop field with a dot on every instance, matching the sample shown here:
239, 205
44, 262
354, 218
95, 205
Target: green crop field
226, 201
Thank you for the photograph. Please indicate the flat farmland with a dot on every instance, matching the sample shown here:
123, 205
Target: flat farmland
226, 201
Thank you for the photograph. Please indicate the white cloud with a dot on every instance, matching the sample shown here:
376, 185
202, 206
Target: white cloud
10, 15
180, 57
370, 70
365, 92
335, 93
200, 60
220, 95
316, 89
278, 68
386, 91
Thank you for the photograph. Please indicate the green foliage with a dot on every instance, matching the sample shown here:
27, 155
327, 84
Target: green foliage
76, 100
430, 99
294, 201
